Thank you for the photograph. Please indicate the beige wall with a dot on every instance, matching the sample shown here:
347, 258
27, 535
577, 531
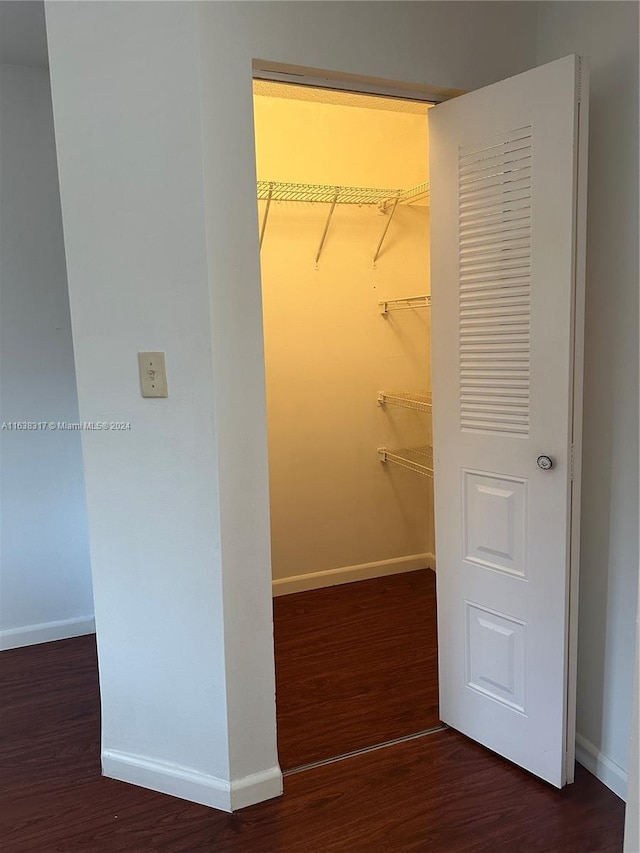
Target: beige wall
329, 350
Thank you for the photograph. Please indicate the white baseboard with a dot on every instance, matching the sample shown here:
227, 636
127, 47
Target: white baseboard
348, 574
192, 785
256, 788
602, 767
46, 632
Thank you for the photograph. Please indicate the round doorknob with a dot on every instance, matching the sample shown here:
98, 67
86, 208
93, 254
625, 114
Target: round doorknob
545, 462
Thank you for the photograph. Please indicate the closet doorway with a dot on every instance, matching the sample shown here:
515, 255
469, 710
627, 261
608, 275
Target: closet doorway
508, 202
343, 197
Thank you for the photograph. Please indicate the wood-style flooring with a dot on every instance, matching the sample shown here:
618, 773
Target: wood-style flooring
437, 794
356, 665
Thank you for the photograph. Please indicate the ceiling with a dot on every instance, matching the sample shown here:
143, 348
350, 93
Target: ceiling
23, 33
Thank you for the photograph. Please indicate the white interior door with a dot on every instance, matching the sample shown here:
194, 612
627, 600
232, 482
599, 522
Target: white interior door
507, 284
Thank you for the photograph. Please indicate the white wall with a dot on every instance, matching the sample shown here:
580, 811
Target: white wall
45, 578
125, 85
135, 118
607, 34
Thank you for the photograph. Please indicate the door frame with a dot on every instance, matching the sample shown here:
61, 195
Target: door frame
577, 345
318, 78
267, 70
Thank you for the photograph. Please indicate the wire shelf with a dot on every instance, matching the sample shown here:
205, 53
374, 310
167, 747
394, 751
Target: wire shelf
404, 304
417, 459
386, 199
325, 194
280, 191
418, 193
420, 401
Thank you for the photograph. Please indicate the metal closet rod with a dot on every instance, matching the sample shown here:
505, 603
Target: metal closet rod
324, 194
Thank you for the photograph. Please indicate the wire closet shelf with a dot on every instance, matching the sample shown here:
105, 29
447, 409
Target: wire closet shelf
326, 194
405, 304
385, 198
420, 401
417, 459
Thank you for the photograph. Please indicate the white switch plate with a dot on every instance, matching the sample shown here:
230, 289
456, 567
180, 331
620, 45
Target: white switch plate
153, 374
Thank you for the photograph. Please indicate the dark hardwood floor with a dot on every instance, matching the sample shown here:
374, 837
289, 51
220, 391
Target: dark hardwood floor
356, 665
437, 794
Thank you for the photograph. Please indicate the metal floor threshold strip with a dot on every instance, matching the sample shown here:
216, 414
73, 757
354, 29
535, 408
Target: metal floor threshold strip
323, 762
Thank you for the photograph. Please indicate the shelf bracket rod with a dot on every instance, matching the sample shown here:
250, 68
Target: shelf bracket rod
326, 225
266, 215
386, 228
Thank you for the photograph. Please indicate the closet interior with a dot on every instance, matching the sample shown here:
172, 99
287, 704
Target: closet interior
343, 207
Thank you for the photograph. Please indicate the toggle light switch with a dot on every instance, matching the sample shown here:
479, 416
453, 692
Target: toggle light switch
153, 375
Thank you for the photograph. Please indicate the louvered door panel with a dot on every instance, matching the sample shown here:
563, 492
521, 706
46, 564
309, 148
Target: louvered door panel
504, 242
494, 206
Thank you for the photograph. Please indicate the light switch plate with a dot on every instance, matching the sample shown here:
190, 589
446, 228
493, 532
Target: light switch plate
153, 374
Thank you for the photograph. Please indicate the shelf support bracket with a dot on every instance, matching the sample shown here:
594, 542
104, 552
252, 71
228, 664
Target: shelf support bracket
326, 226
266, 215
386, 228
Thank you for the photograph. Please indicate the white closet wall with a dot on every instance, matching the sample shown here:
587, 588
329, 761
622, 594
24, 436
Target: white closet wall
337, 512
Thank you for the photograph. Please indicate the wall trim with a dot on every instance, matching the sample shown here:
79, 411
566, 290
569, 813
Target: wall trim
46, 632
189, 784
256, 788
302, 75
348, 574
602, 767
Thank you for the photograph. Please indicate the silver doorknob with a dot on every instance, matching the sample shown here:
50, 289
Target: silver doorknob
545, 462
